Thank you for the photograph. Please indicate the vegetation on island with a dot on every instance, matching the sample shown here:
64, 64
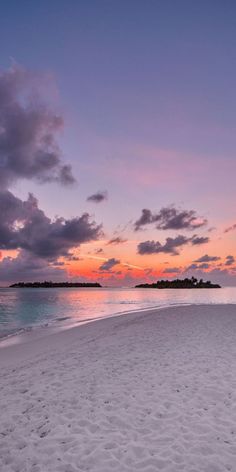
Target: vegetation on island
50, 284
178, 283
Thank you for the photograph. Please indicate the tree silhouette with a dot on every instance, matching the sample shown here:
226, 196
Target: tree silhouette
178, 283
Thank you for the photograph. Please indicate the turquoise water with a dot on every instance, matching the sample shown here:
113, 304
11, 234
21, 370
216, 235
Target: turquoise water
25, 309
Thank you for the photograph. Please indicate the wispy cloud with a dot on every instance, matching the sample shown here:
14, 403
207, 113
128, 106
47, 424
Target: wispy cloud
230, 228
117, 240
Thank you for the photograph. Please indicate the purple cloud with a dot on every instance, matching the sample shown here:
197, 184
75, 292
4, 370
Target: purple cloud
171, 246
204, 265
196, 240
207, 258
230, 260
28, 127
170, 218
23, 225
109, 264
98, 197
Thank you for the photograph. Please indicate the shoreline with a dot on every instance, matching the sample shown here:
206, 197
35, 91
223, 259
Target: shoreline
148, 391
29, 333
38, 332
40, 335
60, 315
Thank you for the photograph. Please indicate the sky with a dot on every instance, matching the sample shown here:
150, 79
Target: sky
117, 141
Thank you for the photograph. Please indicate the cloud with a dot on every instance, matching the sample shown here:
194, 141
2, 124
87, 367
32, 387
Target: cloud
207, 258
230, 260
196, 240
192, 267
171, 246
28, 129
109, 264
98, 197
155, 247
26, 267
117, 240
145, 219
170, 218
230, 228
204, 265
23, 225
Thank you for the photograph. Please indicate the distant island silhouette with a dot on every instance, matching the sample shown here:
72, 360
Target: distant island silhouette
178, 283
50, 284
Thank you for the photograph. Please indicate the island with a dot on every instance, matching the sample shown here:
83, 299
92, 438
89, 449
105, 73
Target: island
50, 284
180, 283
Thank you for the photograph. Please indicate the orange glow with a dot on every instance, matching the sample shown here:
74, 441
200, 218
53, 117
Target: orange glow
12, 253
136, 267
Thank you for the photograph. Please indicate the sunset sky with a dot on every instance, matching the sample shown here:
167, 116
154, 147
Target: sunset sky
117, 141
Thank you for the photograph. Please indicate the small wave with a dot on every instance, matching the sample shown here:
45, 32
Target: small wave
15, 332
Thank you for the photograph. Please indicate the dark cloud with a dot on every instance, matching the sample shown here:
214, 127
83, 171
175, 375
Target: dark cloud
28, 127
230, 260
196, 240
230, 228
145, 219
98, 197
207, 258
171, 246
170, 218
116, 241
109, 264
24, 226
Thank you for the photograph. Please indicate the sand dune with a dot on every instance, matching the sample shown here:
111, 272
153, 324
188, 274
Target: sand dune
152, 391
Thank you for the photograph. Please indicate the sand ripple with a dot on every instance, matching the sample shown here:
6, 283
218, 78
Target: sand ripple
142, 392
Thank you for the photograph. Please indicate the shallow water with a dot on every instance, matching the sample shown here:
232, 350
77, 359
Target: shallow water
24, 309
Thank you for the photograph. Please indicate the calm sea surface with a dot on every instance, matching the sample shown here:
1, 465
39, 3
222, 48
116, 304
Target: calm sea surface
26, 309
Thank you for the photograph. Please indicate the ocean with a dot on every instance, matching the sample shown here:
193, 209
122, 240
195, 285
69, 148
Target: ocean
28, 309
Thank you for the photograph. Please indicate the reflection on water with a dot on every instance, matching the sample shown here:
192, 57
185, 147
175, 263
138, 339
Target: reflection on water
27, 308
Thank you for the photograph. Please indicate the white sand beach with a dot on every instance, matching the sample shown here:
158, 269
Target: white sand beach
150, 391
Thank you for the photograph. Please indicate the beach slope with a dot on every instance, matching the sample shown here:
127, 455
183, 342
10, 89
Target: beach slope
150, 391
